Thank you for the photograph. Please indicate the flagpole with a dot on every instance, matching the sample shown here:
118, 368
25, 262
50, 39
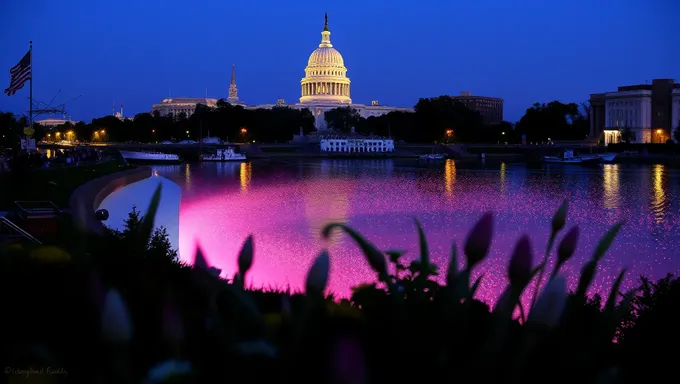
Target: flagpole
30, 96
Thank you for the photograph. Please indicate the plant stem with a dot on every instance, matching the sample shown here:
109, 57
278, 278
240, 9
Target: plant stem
542, 271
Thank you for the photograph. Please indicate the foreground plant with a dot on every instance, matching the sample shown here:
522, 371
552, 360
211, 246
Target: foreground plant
161, 321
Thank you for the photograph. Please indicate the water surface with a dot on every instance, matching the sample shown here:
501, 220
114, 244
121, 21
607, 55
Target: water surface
284, 204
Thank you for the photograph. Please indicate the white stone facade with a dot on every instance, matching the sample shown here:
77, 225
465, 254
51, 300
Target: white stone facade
178, 105
675, 123
357, 145
632, 110
326, 85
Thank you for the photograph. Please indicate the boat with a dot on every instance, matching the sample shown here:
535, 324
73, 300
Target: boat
568, 157
607, 157
432, 157
149, 157
224, 154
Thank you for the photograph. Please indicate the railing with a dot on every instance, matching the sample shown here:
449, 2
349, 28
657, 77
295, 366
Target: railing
5, 222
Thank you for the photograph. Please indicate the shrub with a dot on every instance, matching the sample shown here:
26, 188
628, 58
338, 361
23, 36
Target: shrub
119, 309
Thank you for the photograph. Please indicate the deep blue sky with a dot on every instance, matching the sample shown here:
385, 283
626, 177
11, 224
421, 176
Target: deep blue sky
136, 51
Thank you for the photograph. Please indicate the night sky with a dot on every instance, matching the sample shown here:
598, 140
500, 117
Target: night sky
135, 52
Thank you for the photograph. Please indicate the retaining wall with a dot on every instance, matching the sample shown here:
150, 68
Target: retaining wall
85, 200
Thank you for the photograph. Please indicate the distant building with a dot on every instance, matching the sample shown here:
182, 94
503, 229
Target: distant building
51, 123
325, 86
650, 111
347, 145
186, 105
491, 108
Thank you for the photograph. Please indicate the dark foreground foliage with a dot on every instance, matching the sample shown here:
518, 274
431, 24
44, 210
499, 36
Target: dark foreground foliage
121, 309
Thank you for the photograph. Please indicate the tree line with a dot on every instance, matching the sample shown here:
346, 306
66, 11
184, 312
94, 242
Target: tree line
442, 119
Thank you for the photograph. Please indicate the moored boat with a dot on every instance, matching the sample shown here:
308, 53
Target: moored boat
432, 156
224, 154
149, 157
568, 157
607, 157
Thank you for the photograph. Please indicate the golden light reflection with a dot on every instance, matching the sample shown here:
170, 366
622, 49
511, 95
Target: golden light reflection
503, 170
449, 176
659, 201
324, 206
245, 174
611, 184
187, 176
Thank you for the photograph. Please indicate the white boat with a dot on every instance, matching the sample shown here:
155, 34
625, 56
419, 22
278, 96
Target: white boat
432, 156
224, 154
149, 157
568, 157
607, 156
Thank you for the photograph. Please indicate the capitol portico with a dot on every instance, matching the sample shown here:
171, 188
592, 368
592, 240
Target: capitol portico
324, 87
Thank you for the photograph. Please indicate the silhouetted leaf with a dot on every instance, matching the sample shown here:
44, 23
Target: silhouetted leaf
614, 293
587, 275
606, 241
422, 241
452, 272
375, 258
245, 258
146, 227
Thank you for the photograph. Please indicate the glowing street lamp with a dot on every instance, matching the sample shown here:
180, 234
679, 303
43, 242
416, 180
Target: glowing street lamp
244, 131
449, 132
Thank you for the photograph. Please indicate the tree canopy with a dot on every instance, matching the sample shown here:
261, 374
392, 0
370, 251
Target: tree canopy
441, 119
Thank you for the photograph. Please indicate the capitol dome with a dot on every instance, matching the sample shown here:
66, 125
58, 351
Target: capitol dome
325, 78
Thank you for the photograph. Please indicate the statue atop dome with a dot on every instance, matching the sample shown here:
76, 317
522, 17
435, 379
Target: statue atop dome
325, 24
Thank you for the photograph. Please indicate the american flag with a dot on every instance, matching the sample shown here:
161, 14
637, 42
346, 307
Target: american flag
19, 73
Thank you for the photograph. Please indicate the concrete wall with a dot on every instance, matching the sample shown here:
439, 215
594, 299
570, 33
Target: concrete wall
86, 199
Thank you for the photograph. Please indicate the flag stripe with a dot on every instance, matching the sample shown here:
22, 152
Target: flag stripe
19, 74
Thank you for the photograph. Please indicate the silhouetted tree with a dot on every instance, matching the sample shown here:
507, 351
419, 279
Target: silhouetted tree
343, 118
554, 120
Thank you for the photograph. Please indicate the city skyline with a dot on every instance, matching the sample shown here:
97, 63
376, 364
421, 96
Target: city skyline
138, 66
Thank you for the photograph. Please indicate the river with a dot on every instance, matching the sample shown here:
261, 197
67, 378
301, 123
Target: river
285, 203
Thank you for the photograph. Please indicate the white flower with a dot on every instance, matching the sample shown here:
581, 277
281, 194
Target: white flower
116, 325
550, 303
164, 371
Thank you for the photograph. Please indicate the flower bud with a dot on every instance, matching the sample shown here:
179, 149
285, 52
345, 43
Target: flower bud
479, 240
560, 218
245, 257
519, 269
116, 325
567, 246
317, 277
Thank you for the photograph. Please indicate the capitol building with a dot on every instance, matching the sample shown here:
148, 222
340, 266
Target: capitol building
324, 87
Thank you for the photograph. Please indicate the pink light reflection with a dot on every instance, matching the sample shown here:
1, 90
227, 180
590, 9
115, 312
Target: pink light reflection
286, 207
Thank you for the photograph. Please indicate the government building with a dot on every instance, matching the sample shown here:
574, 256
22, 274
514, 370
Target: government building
650, 111
324, 87
490, 108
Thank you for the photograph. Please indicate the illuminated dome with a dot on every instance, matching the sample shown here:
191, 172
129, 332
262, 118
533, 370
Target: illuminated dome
325, 78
